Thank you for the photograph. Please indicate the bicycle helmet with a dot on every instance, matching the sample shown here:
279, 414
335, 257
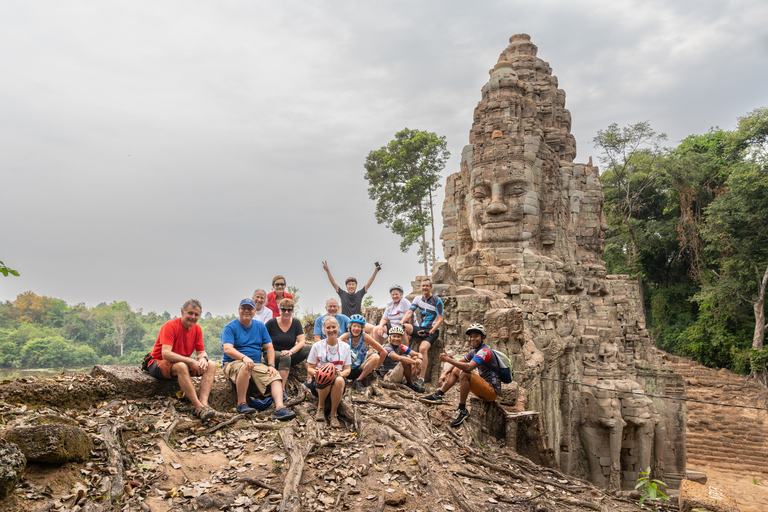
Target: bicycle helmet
476, 328
325, 375
357, 319
396, 287
397, 329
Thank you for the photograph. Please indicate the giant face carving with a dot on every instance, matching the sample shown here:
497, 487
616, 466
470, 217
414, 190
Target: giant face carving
503, 205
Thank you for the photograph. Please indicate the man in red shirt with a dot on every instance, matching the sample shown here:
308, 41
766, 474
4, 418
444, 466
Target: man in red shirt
177, 340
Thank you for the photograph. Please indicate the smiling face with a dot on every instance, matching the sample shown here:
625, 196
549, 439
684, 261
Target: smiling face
351, 287
332, 308
259, 298
503, 205
475, 339
245, 314
396, 296
190, 316
355, 328
331, 328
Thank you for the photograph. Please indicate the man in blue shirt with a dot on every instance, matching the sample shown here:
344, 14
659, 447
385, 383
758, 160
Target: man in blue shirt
424, 335
245, 341
331, 309
484, 384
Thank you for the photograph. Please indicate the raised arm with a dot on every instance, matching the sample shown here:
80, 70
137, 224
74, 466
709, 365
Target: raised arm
330, 277
373, 276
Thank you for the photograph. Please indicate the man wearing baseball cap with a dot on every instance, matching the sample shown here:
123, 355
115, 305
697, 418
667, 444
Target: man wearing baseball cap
484, 384
246, 343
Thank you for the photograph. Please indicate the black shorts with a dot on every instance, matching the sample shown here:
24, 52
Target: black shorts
355, 372
430, 338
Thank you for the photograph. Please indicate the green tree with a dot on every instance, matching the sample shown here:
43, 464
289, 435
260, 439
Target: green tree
402, 178
6, 271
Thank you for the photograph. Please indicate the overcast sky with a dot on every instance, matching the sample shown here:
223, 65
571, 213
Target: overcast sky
157, 151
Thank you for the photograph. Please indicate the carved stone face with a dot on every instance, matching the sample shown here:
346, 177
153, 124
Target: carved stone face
503, 205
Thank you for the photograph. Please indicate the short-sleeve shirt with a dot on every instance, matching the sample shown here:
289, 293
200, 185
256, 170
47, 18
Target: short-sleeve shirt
351, 304
429, 308
264, 315
488, 366
247, 340
272, 302
393, 314
340, 355
343, 322
389, 363
358, 352
181, 340
284, 340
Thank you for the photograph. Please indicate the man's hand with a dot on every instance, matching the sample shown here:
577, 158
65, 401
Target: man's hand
445, 358
325, 266
272, 371
377, 265
249, 364
422, 333
202, 364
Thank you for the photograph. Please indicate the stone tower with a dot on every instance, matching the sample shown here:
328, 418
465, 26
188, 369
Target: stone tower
523, 236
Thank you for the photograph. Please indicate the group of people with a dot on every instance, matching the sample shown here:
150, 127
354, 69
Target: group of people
265, 341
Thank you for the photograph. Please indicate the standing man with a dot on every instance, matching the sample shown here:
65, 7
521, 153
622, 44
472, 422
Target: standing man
484, 384
177, 339
244, 341
331, 309
352, 299
424, 335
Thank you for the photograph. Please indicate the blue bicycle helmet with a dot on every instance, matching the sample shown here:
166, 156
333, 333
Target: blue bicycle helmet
357, 319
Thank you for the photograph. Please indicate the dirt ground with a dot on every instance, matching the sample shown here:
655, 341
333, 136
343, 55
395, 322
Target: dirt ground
749, 491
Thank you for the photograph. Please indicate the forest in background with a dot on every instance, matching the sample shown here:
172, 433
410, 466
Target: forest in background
691, 222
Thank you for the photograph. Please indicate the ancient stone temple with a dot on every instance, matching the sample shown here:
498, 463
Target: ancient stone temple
523, 235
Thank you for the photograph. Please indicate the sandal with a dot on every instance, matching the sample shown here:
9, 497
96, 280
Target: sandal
205, 412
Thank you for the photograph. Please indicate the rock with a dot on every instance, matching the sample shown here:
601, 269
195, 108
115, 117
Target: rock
694, 475
12, 466
52, 444
696, 496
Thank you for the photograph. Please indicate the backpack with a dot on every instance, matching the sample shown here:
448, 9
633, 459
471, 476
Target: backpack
505, 368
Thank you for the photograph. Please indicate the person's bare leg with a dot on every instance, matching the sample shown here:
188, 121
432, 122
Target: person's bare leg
464, 379
368, 366
322, 394
368, 329
284, 375
450, 381
241, 384
336, 391
181, 372
378, 334
424, 351
277, 393
407, 336
206, 383
408, 374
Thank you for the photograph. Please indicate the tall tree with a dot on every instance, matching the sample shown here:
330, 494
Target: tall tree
402, 177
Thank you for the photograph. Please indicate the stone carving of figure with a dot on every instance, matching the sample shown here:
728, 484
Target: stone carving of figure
607, 355
601, 432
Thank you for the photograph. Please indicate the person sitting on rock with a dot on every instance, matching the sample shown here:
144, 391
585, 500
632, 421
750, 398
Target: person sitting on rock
262, 313
287, 337
484, 384
332, 310
244, 342
401, 363
359, 343
393, 315
425, 334
171, 360
352, 299
274, 297
325, 351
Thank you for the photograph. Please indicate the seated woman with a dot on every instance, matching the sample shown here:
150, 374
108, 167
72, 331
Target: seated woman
326, 351
393, 315
288, 339
279, 293
359, 343
261, 313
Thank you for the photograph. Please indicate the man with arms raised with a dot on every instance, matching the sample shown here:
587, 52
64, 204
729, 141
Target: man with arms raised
331, 309
177, 339
484, 384
352, 299
424, 335
245, 343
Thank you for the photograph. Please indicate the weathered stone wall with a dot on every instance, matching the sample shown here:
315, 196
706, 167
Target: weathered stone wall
523, 235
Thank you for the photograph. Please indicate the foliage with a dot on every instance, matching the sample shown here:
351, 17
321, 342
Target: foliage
402, 177
6, 271
293, 290
650, 488
368, 301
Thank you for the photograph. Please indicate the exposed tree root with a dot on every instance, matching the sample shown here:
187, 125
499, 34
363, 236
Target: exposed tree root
115, 454
291, 500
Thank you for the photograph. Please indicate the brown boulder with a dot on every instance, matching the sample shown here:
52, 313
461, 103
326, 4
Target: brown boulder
52, 444
696, 496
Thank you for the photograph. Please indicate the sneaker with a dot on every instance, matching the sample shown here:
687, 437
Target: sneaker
283, 414
320, 415
419, 382
415, 387
435, 398
261, 403
244, 408
335, 422
205, 413
461, 415
357, 386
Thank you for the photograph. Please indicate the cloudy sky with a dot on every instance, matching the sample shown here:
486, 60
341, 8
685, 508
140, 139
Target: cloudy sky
157, 151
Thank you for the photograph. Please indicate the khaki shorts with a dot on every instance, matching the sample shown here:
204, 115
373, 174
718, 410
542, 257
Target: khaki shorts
395, 375
259, 374
478, 386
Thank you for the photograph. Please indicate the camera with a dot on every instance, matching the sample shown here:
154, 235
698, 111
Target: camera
378, 265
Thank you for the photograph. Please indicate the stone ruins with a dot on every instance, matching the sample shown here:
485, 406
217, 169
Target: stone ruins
523, 235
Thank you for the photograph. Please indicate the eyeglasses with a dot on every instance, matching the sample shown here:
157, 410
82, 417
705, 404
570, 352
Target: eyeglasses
279, 284
286, 310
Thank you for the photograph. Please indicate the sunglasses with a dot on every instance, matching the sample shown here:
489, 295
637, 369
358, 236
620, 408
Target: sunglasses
279, 284
286, 310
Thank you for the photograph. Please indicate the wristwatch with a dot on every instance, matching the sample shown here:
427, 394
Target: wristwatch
272, 365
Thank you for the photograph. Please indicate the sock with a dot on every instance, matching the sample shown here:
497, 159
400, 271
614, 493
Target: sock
439, 392
463, 407
238, 403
